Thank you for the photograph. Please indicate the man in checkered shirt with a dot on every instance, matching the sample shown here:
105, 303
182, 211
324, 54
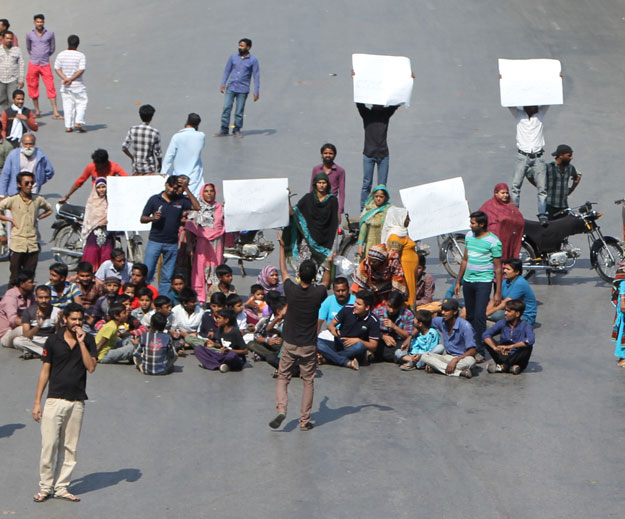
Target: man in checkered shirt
145, 142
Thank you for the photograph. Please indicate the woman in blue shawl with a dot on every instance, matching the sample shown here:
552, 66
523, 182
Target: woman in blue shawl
372, 219
618, 300
313, 224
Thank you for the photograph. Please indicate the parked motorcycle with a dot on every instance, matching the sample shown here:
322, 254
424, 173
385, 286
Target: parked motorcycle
248, 246
68, 244
547, 248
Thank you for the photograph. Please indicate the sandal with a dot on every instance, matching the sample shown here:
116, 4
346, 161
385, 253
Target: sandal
68, 496
57, 117
68, 130
41, 496
80, 129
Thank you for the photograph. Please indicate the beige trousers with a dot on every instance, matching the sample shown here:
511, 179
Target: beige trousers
10, 336
60, 430
439, 362
307, 356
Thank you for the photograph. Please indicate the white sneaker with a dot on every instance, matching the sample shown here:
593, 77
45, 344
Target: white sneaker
224, 368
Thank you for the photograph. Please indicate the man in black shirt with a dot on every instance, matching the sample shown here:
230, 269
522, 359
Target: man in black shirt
355, 329
67, 356
299, 336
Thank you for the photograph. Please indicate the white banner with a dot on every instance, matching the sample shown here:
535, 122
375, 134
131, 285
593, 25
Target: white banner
436, 208
382, 80
127, 197
530, 82
252, 204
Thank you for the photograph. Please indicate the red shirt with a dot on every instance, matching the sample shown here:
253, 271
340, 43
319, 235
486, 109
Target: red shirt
113, 169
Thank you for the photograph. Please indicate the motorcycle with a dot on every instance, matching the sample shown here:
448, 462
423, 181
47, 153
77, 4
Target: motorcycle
547, 248
248, 246
68, 244
348, 244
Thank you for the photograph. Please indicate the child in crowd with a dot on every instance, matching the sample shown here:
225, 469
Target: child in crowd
155, 353
102, 305
235, 302
187, 316
132, 327
129, 290
255, 304
208, 327
110, 350
424, 339
268, 336
224, 275
231, 351
145, 296
162, 304
177, 284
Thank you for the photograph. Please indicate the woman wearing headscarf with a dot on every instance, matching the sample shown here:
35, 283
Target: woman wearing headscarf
372, 219
269, 279
98, 241
313, 225
207, 225
380, 272
395, 237
505, 221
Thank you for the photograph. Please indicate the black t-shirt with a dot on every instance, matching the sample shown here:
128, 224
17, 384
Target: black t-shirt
232, 339
300, 323
49, 323
364, 328
375, 123
165, 230
68, 375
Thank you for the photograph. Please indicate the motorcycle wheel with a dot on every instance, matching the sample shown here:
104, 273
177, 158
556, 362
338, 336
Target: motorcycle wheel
349, 249
526, 255
68, 238
604, 265
451, 254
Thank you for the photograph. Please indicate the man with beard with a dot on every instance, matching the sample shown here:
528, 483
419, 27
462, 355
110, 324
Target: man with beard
39, 322
559, 186
11, 69
235, 84
17, 120
29, 158
333, 304
335, 173
165, 212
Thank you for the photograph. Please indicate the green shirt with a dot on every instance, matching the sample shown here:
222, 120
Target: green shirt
480, 257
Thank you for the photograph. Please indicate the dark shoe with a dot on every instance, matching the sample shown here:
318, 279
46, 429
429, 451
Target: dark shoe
306, 427
277, 421
237, 133
220, 134
515, 369
429, 369
466, 373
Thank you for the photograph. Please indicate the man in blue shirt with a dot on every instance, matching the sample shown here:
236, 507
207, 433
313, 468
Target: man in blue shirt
517, 340
459, 341
514, 286
165, 211
235, 84
334, 303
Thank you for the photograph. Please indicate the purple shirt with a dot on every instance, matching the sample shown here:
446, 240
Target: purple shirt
11, 307
337, 182
240, 70
40, 48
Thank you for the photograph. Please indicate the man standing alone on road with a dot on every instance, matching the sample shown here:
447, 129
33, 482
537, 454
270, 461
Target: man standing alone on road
40, 44
239, 69
70, 66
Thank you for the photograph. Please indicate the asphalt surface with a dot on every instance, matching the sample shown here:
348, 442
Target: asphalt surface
547, 443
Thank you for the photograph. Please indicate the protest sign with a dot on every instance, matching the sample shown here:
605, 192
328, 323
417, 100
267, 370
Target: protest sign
127, 197
382, 80
252, 204
436, 208
530, 82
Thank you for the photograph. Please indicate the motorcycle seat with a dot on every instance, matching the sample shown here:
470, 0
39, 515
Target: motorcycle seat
72, 211
548, 239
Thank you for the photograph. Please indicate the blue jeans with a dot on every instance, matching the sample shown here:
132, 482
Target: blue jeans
123, 352
338, 354
400, 354
229, 98
152, 252
536, 169
368, 164
476, 297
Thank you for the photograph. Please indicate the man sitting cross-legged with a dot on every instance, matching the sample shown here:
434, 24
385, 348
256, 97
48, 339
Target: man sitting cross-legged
459, 342
517, 340
396, 325
355, 329
514, 286
39, 321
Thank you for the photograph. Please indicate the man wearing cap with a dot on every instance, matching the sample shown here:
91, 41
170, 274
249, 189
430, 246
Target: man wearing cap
560, 172
459, 341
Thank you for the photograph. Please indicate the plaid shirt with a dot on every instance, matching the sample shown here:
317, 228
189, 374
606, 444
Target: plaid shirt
405, 320
558, 181
11, 64
146, 144
155, 353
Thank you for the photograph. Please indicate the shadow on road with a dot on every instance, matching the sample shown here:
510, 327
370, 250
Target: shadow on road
100, 480
8, 429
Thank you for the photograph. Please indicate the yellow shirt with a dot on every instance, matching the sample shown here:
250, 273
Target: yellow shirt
25, 237
108, 332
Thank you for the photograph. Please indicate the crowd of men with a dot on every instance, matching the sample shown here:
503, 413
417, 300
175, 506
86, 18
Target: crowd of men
112, 314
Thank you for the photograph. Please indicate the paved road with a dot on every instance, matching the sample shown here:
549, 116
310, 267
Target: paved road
388, 443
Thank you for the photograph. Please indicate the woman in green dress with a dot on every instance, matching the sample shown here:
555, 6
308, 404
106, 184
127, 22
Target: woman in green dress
372, 219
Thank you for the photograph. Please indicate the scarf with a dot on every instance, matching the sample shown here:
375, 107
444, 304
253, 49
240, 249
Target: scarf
315, 221
17, 128
95, 210
370, 209
385, 277
263, 280
506, 222
208, 222
394, 223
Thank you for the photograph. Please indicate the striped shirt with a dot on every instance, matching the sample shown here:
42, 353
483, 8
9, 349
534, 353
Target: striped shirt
70, 291
481, 251
146, 143
69, 62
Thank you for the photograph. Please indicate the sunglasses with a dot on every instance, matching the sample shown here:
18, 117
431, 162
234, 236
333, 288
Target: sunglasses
28, 182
